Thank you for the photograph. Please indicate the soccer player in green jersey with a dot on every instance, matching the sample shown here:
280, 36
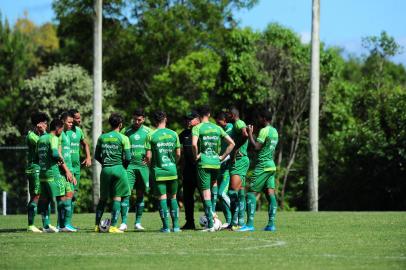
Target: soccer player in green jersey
163, 152
77, 140
239, 166
53, 184
137, 171
113, 153
223, 179
65, 152
206, 141
39, 125
264, 174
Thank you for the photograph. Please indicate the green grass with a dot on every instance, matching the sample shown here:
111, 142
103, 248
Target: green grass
325, 240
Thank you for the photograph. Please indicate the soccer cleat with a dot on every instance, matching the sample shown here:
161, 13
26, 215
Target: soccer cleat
189, 226
163, 230
224, 226
246, 228
123, 227
235, 227
270, 228
208, 230
33, 228
96, 228
114, 229
176, 230
68, 228
138, 227
50, 229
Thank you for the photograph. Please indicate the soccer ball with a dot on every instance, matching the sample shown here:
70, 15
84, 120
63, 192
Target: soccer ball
104, 225
217, 222
203, 221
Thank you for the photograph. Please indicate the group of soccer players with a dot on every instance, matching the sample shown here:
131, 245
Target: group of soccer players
53, 168
213, 159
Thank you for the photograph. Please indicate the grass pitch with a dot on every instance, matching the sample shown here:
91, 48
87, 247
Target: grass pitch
324, 240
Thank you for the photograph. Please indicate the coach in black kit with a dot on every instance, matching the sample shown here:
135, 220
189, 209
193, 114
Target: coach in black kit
189, 170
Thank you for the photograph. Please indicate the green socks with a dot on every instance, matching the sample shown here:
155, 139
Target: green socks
233, 206
175, 213
209, 213
44, 209
241, 207
115, 211
61, 213
68, 212
214, 194
251, 208
225, 205
273, 205
139, 208
124, 205
31, 211
99, 211
163, 212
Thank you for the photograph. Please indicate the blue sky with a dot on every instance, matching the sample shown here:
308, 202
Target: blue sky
343, 22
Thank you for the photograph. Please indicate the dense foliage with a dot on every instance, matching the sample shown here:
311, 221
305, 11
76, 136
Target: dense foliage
176, 55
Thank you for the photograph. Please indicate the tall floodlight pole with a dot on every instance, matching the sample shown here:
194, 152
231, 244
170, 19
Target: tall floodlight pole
314, 110
97, 93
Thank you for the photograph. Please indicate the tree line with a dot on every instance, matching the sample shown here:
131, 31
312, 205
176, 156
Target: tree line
176, 55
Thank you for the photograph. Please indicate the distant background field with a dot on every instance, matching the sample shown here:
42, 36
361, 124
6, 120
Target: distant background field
304, 240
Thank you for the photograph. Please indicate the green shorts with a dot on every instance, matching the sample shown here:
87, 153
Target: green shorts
53, 187
76, 173
206, 177
113, 182
34, 186
169, 187
262, 180
138, 177
223, 179
240, 166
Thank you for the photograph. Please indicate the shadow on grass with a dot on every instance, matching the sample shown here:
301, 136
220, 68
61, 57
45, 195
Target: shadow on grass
12, 230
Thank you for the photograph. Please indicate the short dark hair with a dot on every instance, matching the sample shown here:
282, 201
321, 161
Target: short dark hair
39, 117
203, 110
115, 120
72, 112
55, 124
158, 117
191, 115
65, 115
234, 111
139, 112
266, 114
221, 116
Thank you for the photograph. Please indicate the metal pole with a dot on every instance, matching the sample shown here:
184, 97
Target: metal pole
313, 184
97, 94
4, 203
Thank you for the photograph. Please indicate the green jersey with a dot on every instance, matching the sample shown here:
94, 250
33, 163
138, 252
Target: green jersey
32, 160
209, 144
48, 156
268, 137
65, 144
236, 135
111, 148
228, 129
137, 139
163, 143
75, 135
